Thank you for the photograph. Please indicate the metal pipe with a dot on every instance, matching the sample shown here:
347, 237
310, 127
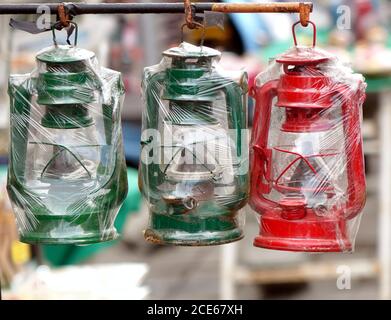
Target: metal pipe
276, 7
141, 8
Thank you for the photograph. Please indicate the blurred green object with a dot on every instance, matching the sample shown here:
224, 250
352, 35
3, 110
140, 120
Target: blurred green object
376, 84
60, 255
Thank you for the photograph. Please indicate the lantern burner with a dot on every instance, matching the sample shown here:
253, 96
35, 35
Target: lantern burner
306, 120
293, 207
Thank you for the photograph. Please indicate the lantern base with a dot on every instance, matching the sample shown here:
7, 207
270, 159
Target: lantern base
306, 235
180, 238
195, 229
303, 245
68, 229
37, 238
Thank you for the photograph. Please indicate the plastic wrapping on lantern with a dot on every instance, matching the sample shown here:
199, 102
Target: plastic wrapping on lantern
307, 166
194, 158
67, 171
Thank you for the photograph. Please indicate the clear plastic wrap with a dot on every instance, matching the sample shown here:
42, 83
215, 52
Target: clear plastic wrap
194, 158
67, 171
306, 154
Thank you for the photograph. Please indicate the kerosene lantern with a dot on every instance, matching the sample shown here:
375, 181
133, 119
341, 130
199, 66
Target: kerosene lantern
307, 169
193, 169
67, 171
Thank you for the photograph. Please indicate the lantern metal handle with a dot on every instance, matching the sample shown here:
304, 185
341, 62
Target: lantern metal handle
294, 32
198, 25
59, 24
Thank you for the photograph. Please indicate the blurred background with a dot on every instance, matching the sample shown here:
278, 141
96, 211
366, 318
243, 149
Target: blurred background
357, 31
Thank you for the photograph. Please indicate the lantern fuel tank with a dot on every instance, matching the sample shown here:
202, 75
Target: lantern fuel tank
194, 159
67, 173
307, 167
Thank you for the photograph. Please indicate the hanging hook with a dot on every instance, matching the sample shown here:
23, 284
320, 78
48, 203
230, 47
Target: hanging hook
189, 14
63, 15
64, 22
199, 25
191, 21
314, 30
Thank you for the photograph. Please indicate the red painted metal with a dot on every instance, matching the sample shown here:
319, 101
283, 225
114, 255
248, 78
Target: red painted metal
305, 92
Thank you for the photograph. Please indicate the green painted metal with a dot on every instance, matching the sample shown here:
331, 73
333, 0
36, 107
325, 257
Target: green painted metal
66, 88
66, 116
64, 54
190, 90
61, 88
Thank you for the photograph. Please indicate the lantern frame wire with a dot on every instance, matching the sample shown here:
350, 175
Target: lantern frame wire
59, 25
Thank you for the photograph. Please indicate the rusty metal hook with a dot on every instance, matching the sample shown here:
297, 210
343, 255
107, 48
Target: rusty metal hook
189, 14
190, 21
64, 22
63, 15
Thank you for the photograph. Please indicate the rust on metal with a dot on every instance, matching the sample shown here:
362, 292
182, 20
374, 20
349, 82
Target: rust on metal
189, 13
63, 16
287, 7
150, 236
144, 8
304, 14
153, 238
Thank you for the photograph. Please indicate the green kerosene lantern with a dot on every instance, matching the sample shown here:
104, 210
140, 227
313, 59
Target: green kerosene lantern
194, 160
67, 171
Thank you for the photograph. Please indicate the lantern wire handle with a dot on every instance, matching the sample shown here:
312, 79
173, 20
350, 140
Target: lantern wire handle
314, 32
189, 14
199, 25
58, 24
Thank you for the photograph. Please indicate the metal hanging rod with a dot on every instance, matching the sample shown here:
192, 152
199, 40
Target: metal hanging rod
142, 8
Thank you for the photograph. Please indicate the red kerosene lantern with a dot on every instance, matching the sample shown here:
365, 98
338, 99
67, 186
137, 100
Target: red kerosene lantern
307, 167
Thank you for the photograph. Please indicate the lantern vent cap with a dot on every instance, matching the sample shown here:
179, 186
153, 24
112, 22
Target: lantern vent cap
64, 54
186, 50
304, 56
